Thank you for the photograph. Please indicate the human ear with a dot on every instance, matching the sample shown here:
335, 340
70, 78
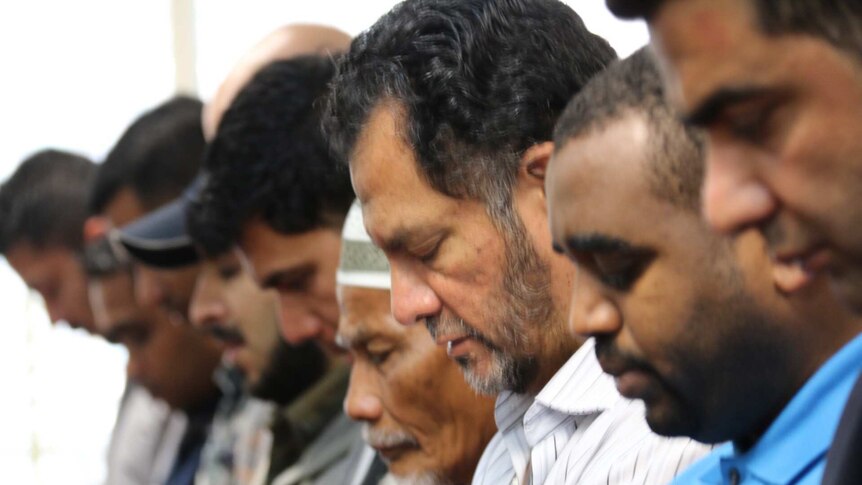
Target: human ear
534, 163
95, 228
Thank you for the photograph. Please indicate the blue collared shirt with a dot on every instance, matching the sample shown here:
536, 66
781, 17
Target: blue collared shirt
793, 449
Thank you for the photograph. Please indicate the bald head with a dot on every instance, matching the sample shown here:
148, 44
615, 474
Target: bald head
284, 43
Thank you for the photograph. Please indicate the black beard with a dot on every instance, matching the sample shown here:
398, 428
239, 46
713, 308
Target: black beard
290, 372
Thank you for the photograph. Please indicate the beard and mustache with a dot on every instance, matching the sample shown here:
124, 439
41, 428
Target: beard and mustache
384, 439
291, 370
522, 304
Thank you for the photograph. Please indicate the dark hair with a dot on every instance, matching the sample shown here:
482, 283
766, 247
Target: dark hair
479, 81
269, 159
838, 22
634, 86
44, 203
157, 156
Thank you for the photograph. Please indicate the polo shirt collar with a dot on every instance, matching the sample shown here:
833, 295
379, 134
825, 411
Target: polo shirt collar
801, 435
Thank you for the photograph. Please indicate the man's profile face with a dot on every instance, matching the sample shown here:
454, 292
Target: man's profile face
784, 113
55, 273
418, 412
173, 362
169, 289
682, 318
228, 303
301, 269
450, 265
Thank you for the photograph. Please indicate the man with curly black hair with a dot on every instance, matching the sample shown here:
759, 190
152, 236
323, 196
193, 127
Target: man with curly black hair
445, 110
272, 189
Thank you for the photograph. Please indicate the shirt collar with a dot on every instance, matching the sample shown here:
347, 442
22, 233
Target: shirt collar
803, 432
508, 413
510, 408
580, 387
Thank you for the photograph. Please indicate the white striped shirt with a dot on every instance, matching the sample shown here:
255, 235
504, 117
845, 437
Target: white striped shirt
579, 429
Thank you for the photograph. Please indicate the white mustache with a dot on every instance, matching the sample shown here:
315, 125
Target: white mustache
386, 439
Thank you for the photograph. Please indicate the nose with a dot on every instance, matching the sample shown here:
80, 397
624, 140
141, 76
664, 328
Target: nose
298, 323
134, 369
591, 313
734, 196
412, 298
207, 308
361, 403
148, 291
55, 311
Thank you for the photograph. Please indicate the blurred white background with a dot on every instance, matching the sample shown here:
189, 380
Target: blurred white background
75, 74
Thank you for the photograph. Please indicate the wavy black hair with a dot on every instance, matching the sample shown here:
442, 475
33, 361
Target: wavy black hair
269, 159
44, 203
479, 81
156, 157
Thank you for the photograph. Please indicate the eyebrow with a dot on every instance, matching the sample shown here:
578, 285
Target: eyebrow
597, 243
356, 338
298, 272
711, 108
402, 238
119, 329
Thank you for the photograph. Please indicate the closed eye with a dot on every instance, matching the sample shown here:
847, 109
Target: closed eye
617, 270
228, 272
427, 251
378, 358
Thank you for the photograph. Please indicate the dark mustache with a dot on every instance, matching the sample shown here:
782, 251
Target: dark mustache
609, 354
433, 323
228, 335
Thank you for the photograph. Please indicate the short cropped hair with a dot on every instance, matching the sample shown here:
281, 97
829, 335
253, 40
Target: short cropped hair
479, 81
838, 22
44, 203
269, 159
156, 157
634, 86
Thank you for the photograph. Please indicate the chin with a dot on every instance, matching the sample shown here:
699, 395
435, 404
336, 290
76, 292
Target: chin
847, 286
670, 421
416, 478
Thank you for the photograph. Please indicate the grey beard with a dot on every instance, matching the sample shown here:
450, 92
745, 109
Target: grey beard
427, 478
505, 372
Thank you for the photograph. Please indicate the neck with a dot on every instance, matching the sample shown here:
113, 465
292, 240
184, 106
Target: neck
556, 351
824, 328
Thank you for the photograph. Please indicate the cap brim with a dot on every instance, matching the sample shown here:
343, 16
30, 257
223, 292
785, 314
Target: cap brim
161, 237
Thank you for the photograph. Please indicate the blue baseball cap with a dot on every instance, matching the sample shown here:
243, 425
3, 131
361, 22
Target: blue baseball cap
161, 238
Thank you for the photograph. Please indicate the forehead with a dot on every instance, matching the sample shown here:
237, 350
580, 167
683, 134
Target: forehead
124, 208
599, 183
269, 250
366, 313
707, 45
385, 174
601, 171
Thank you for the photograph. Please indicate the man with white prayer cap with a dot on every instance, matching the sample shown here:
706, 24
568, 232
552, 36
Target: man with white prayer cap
418, 413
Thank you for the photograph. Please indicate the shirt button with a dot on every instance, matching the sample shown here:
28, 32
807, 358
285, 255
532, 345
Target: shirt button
734, 476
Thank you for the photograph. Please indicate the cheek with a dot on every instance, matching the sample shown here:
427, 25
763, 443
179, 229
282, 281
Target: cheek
658, 318
417, 393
